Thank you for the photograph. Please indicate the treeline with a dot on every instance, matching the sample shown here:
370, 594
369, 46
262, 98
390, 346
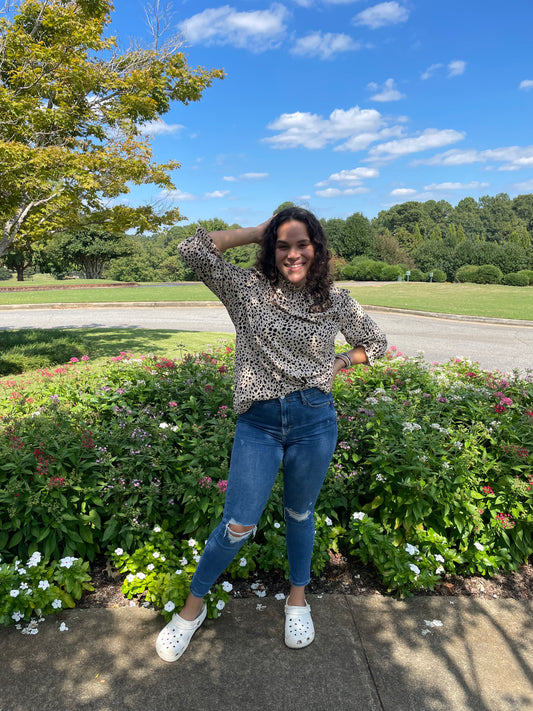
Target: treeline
487, 240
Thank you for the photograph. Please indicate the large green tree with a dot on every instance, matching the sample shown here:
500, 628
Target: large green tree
72, 110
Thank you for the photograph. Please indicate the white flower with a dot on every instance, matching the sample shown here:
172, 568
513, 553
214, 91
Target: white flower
414, 568
14, 593
280, 596
221, 605
410, 426
439, 570
24, 586
130, 578
439, 558
141, 576
479, 546
184, 561
196, 558
17, 616
328, 521
277, 525
192, 543
67, 562
243, 562
150, 566
163, 425
226, 586
179, 571
260, 593
163, 559
358, 515
118, 551
156, 554
411, 549
63, 627
175, 428
157, 529
380, 477
44, 584
34, 560
169, 606
56, 604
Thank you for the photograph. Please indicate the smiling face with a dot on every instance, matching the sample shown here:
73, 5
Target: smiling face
294, 252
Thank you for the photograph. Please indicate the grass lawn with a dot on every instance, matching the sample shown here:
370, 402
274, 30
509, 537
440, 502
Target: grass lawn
468, 299
493, 300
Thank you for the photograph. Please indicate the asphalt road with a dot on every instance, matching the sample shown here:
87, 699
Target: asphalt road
503, 346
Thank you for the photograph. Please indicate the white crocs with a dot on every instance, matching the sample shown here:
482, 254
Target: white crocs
174, 638
299, 628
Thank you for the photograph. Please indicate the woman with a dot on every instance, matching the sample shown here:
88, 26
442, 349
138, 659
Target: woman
287, 314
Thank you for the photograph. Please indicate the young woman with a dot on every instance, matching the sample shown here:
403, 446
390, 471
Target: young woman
286, 313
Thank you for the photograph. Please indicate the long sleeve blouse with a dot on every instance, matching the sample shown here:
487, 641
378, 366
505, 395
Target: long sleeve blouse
282, 345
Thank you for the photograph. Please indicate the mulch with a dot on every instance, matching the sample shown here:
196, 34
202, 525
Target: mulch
348, 577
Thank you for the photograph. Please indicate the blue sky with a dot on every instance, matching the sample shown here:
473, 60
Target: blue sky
345, 105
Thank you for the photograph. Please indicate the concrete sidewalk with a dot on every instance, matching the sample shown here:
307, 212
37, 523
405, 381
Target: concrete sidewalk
370, 654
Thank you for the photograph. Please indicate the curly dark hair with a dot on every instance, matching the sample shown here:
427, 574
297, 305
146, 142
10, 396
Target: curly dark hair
319, 280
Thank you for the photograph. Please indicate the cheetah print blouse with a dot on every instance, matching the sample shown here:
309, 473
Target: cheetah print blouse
281, 346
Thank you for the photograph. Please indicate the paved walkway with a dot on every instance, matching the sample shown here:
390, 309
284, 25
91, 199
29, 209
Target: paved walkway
371, 654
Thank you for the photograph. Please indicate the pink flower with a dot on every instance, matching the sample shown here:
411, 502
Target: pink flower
172, 404
74, 360
222, 485
499, 408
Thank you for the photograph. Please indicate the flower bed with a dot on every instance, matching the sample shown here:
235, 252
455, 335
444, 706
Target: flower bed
431, 476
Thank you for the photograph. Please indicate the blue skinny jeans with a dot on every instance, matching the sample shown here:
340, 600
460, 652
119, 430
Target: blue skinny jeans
298, 431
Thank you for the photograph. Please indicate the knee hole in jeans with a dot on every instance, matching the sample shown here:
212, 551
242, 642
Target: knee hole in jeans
299, 517
237, 533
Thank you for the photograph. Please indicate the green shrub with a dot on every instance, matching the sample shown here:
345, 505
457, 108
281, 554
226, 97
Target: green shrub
516, 279
391, 272
368, 270
348, 272
467, 273
529, 274
418, 275
488, 274
5, 274
439, 275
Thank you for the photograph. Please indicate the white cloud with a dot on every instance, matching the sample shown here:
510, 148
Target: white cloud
359, 127
456, 186
177, 195
159, 128
216, 194
526, 187
456, 68
430, 138
403, 192
257, 30
387, 93
245, 176
512, 157
527, 84
351, 178
324, 46
337, 192
430, 71
386, 13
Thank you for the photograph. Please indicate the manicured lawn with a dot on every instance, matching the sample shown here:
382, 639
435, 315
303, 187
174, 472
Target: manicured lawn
186, 292
469, 299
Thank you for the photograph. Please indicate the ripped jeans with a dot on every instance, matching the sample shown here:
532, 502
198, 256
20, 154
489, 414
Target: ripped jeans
298, 431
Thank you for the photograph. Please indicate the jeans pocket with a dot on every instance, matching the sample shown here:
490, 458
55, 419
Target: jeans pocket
313, 397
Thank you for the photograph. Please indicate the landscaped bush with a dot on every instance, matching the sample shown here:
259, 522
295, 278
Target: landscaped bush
367, 269
431, 476
5, 274
439, 275
467, 273
516, 279
391, 272
348, 271
418, 275
528, 273
488, 274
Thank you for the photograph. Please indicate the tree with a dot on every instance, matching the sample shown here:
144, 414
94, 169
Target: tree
72, 111
357, 237
283, 206
88, 248
20, 258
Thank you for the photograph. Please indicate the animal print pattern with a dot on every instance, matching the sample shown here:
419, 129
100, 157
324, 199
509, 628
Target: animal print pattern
281, 344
